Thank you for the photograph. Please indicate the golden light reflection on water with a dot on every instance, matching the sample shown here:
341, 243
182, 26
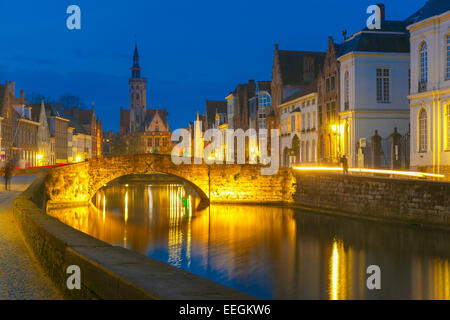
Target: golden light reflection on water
334, 272
269, 252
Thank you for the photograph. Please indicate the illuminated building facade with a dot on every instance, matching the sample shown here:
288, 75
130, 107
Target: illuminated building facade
328, 106
18, 130
45, 155
430, 87
299, 128
238, 105
92, 126
374, 68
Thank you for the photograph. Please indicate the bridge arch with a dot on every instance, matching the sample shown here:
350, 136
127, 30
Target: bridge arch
204, 200
223, 183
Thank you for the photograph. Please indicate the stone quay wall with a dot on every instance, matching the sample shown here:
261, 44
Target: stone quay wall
107, 272
411, 201
226, 183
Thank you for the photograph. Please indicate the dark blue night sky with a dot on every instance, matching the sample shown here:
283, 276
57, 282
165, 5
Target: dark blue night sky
190, 50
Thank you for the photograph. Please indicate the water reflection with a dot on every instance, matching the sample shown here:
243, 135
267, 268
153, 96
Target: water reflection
269, 252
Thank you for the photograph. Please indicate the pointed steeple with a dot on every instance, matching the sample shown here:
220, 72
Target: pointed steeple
42, 113
136, 69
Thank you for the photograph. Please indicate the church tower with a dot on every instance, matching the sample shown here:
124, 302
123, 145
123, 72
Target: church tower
138, 95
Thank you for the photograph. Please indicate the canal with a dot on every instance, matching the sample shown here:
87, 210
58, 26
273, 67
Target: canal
268, 252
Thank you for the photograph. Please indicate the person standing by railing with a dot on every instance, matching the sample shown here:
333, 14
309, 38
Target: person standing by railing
8, 177
344, 162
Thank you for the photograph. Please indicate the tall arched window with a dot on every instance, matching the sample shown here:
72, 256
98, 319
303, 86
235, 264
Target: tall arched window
346, 90
423, 133
423, 63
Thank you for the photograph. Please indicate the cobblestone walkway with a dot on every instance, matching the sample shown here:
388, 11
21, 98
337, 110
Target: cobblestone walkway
21, 276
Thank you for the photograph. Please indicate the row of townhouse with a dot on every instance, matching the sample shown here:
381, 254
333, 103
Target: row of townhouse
35, 135
380, 97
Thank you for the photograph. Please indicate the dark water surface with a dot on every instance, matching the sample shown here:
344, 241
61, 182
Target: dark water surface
269, 252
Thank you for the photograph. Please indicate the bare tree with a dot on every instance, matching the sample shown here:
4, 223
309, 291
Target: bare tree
36, 98
69, 100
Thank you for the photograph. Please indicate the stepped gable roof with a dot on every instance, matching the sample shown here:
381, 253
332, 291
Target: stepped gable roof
430, 9
392, 37
291, 64
213, 106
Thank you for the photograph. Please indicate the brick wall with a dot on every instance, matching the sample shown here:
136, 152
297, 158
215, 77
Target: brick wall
412, 201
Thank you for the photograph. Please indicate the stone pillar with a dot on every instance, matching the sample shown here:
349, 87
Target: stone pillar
376, 150
396, 153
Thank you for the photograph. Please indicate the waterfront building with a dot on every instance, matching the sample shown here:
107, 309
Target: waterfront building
373, 80
92, 125
238, 105
329, 106
430, 87
292, 72
18, 130
25, 144
45, 155
298, 127
82, 142
59, 129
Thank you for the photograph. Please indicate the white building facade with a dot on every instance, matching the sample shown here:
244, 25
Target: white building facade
298, 129
374, 69
430, 89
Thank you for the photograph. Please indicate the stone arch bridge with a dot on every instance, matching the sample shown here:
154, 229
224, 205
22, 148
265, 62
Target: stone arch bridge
78, 183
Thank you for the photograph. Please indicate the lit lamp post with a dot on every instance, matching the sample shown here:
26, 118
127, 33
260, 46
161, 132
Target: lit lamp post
39, 159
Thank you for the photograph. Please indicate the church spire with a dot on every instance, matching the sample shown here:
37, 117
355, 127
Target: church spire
136, 69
